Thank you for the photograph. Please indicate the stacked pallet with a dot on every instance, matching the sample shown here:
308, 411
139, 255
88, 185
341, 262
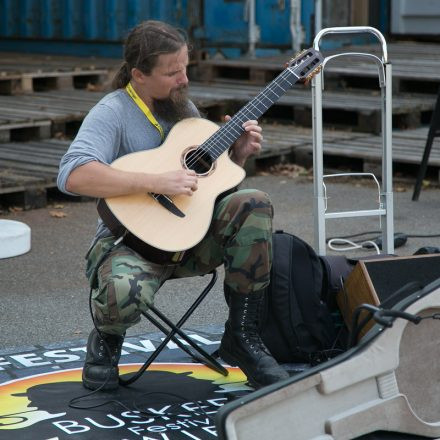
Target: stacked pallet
351, 99
43, 100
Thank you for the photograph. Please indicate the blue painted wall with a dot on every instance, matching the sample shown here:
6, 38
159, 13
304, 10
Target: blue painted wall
80, 27
97, 27
225, 23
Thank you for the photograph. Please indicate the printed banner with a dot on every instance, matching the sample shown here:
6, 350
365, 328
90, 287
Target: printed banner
175, 398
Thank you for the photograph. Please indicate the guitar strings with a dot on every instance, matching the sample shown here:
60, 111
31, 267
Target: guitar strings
234, 125
210, 145
212, 142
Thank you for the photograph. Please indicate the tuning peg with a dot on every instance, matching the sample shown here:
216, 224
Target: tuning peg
297, 55
302, 52
310, 76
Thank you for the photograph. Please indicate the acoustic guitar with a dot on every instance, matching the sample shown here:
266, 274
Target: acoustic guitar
173, 224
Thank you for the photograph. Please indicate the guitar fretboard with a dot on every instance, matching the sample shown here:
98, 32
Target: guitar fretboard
222, 139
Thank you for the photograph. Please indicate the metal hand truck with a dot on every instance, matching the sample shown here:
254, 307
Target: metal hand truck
385, 209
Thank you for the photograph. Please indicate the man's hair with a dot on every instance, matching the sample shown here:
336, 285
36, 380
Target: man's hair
144, 44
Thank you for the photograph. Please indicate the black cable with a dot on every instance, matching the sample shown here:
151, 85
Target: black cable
168, 413
142, 369
357, 326
107, 348
433, 316
380, 315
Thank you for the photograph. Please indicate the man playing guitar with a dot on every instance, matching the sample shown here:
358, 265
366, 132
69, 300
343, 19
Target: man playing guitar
150, 97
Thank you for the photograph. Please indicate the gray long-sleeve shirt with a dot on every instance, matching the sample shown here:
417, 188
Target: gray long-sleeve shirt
114, 127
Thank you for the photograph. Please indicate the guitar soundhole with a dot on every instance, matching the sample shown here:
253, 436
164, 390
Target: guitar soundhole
199, 160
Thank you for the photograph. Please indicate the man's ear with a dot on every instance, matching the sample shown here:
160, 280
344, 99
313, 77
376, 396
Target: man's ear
137, 75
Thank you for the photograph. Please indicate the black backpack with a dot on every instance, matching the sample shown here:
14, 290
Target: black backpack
296, 324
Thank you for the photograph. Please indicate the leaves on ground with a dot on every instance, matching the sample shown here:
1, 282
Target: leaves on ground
57, 214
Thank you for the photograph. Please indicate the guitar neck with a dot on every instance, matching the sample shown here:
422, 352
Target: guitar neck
222, 139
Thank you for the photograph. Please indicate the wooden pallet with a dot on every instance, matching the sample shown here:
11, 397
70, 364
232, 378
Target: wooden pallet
291, 143
281, 139
359, 111
27, 73
28, 170
62, 111
408, 147
415, 66
23, 129
409, 75
53, 112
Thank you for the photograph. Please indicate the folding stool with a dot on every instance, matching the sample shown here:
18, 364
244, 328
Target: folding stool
201, 355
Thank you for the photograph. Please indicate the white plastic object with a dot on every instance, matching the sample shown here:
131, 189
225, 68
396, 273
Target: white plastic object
15, 238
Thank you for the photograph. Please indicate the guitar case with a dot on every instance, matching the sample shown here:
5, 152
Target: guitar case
386, 387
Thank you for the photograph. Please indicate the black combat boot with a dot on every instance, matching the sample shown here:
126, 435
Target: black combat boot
242, 346
99, 367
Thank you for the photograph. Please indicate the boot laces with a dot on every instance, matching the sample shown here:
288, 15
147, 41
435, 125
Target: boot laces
113, 346
249, 332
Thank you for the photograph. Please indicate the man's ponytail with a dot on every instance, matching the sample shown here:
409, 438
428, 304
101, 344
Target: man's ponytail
122, 77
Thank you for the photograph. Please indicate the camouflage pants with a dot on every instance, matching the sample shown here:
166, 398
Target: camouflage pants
240, 237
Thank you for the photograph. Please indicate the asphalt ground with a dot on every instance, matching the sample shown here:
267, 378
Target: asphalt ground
44, 293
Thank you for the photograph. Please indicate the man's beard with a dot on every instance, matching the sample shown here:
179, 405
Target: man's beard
174, 108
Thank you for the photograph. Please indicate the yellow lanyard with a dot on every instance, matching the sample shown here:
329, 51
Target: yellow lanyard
145, 110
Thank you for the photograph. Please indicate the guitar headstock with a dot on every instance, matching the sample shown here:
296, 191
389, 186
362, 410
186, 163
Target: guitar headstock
306, 64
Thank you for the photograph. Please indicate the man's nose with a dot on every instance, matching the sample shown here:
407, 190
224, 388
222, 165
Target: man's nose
183, 78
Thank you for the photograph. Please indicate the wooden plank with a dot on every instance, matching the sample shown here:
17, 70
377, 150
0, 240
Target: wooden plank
407, 147
27, 170
37, 170
33, 149
30, 82
411, 61
302, 96
294, 136
44, 109
63, 106
37, 162
20, 123
47, 148
12, 181
34, 158
44, 62
28, 72
365, 108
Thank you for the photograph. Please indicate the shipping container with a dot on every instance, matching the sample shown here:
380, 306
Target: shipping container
415, 17
228, 27
80, 27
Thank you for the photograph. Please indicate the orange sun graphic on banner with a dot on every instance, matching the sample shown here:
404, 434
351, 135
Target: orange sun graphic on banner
18, 410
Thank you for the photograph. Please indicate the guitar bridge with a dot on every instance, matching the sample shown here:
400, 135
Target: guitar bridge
168, 204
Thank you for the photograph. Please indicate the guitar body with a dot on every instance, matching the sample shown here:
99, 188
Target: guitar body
151, 222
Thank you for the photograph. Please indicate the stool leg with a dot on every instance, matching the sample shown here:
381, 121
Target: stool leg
211, 361
175, 328
164, 330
